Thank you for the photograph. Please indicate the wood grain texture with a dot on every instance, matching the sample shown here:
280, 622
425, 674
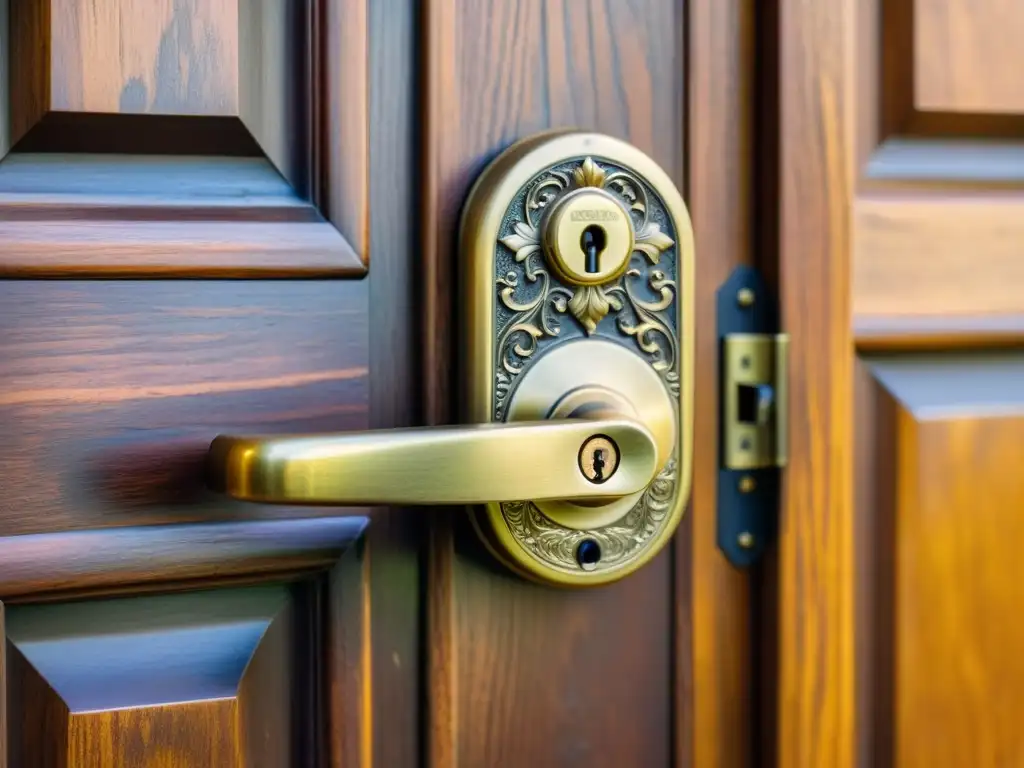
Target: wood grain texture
275, 84
197, 733
713, 625
938, 492
46, 566
395, 541
352, 713
963, 51
28, 31
939, 257
5, 101
815, 699
118, 216
111, 392
301, 94
211, 677
37, 725
4, 689
341, 118
497, 71
176, 57
276, 713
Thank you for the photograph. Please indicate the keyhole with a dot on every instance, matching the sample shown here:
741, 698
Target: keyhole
593, 242
598, 465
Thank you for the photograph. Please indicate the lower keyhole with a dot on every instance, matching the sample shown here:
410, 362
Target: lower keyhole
593, 242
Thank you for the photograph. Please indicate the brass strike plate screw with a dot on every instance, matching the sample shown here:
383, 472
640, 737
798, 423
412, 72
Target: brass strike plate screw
745, 297
746, 540
747, 484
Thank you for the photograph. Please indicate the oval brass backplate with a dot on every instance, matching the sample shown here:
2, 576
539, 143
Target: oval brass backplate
535, 341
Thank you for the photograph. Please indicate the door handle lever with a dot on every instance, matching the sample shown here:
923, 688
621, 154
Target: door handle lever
571, 459
576, 336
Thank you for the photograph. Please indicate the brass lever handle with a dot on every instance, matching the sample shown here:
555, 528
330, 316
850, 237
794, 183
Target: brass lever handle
449, 465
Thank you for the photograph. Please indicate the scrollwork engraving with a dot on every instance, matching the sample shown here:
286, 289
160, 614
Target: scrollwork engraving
642, 302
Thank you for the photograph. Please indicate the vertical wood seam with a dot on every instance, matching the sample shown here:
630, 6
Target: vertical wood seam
717, 705
816, 694
438, 19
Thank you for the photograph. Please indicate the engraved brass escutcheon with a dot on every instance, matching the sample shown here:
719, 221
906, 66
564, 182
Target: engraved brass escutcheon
578, 260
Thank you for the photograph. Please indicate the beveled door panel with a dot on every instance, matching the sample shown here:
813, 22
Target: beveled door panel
901, 202
97, 95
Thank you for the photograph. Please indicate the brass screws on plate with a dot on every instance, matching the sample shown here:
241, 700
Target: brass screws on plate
746, 540
745, 297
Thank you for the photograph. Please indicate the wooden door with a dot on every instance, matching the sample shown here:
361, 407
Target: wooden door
901, 252
239, 217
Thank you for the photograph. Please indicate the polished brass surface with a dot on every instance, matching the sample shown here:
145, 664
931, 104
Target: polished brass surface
535, 336
569, 381
578, 375
755, 365
581, 213
449, 465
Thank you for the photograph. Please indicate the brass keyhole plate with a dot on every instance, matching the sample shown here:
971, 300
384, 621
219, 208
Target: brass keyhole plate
540, 331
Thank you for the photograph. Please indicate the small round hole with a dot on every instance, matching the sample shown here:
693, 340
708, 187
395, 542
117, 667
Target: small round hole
588, 554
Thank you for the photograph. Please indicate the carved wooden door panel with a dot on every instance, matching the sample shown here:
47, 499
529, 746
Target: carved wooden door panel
239, 217
902, 261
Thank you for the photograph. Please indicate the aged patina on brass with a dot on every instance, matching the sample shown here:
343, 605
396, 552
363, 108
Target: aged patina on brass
578, 376
541, 339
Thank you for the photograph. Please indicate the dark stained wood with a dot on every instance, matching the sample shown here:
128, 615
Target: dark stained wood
206, 678
275, 84
5, 668
46, 566
37, 719
340, 118
813, 704
118, 216
350, 700
80, 132
271, 707
395, 539
111, 392
27, 97
714, 705
495, 72
201, 77
158, 56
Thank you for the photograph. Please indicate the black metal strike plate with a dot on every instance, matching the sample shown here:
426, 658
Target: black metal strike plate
747, 498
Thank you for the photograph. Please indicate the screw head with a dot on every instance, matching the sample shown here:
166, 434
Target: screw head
746, 540
747, 484
599, 458
745, 297
588, 554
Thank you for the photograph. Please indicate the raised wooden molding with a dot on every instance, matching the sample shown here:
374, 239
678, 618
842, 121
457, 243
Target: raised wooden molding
34, 567
287, 82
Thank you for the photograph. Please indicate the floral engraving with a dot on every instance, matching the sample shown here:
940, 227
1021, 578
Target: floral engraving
556, 545
642, 302
536, 317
